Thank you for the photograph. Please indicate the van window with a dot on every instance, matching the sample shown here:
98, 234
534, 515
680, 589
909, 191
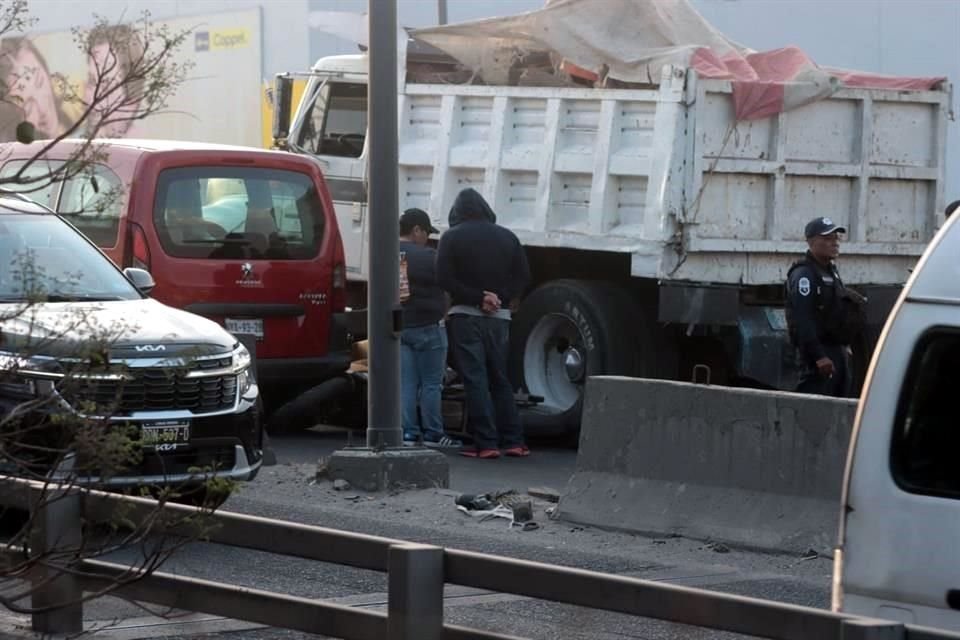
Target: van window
238, 213
34, 182
337, 122
92, 201
925, 453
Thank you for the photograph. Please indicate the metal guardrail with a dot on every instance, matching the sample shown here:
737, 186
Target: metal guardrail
416, 577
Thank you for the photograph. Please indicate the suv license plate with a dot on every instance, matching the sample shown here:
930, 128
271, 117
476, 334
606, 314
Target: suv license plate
165, 436
249, 326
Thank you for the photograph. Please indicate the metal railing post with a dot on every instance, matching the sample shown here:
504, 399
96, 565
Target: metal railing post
415, 592
54, 545
868, 629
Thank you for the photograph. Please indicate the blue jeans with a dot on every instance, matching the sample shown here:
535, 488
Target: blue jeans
481, 346
423, 361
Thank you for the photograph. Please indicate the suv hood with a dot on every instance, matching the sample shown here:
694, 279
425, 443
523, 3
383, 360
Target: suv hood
141, 328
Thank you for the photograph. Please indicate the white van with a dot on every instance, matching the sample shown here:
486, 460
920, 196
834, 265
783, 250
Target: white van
898, 556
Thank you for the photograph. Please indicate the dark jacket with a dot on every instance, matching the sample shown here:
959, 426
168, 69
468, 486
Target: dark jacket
477, 255
814, 308
427, 303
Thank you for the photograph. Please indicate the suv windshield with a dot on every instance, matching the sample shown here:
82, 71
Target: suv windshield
43, 256
238, 213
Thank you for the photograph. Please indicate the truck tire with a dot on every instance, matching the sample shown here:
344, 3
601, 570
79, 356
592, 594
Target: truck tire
567, 330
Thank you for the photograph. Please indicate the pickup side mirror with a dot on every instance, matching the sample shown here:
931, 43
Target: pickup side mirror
141, 279
282, 100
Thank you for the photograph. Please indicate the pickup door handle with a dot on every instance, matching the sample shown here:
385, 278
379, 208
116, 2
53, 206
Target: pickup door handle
953, 599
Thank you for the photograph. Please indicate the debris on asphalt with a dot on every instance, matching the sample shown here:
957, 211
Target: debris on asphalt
544, 493
499, 511
716, 547
340, 485
323, 470
522, 511
508, 504
472, 502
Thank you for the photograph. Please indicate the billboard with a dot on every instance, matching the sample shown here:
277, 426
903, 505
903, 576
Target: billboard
220, 101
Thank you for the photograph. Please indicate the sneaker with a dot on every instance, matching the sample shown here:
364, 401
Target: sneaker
445, 442
410, 442
485, 454
519, 451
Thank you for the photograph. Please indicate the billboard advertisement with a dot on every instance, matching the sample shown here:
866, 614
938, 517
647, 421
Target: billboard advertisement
220, 100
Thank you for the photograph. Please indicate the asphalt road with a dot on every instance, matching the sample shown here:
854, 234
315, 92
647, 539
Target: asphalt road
290, 491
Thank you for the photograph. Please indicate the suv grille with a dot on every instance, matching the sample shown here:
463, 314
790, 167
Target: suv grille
155, 389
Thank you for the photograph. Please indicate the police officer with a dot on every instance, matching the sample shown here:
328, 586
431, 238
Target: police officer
822, 315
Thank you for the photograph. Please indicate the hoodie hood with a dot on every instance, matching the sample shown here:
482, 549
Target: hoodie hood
470, 205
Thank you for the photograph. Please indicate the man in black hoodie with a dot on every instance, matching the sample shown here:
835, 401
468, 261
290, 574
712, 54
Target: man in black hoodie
484, 269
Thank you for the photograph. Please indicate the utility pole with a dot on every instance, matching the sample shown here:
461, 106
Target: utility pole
441, 11
383, 293
385, 463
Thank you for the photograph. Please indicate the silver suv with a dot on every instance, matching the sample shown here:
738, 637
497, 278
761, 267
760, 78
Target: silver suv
83, 347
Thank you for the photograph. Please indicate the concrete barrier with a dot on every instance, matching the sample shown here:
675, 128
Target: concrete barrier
754, 468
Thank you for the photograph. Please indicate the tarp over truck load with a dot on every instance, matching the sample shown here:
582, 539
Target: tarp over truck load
631, 41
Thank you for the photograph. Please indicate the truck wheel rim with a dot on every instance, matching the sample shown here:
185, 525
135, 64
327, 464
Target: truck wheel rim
554, 362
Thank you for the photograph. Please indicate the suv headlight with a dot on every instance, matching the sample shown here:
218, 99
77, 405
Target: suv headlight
14, 385
26, 378
241, 366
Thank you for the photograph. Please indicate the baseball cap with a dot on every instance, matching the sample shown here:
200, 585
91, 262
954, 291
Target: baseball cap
416, 218
822, 227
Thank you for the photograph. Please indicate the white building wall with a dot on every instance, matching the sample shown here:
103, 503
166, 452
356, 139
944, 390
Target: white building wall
285, 36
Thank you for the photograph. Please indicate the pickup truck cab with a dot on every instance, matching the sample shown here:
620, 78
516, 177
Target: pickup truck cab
245, 237
897, 554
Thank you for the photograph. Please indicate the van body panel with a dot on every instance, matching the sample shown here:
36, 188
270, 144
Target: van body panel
900, 523
282, 292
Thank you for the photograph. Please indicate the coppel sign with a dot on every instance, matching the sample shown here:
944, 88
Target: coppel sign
222, 39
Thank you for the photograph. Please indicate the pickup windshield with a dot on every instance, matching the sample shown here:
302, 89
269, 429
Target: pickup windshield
43, 257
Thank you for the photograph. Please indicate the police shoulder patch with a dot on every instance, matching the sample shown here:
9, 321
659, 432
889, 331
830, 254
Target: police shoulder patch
803, 286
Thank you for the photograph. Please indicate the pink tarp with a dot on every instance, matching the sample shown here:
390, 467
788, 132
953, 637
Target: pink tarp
633, 40
768, 82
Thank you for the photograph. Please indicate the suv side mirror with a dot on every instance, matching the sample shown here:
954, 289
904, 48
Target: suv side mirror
140, 278
282, 101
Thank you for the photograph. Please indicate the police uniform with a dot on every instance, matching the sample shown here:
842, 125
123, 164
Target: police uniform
816, 318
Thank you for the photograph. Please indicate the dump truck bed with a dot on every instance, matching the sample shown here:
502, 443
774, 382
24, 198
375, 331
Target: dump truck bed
666, 175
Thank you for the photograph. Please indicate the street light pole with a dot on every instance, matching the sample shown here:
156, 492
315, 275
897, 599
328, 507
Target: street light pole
441, 11
383, 292
384, 463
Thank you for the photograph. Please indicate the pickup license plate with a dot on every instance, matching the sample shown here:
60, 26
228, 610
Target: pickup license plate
245, 326
165, 436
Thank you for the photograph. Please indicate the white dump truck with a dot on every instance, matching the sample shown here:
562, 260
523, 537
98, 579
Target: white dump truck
659, 229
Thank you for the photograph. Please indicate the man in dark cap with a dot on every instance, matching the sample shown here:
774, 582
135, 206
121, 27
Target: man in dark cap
423, 341
823, 316
484, 269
